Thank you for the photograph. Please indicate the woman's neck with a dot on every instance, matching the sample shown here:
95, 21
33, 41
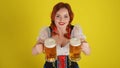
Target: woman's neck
61, 31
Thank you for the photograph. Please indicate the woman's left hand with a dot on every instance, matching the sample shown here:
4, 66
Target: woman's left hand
85, 48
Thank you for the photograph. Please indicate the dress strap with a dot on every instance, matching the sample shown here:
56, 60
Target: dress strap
71, 28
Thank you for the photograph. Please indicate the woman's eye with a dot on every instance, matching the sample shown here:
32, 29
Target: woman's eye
65, 16
57, 16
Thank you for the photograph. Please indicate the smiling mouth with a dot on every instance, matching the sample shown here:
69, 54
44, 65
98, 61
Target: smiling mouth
61, 23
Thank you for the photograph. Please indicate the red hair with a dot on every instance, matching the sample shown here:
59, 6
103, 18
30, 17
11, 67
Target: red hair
56, 8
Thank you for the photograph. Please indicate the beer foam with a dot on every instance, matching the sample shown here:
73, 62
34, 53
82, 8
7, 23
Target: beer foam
50, 43
75, 42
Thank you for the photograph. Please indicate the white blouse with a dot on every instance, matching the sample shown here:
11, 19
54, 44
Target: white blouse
76, 33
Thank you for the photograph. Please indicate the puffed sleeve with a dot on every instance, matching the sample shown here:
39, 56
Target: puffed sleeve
77, 33
43, 34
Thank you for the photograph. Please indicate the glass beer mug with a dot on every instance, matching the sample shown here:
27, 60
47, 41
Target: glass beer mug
75, 49
50, 49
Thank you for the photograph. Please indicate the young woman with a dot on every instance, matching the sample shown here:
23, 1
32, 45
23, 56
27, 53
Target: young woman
61, 31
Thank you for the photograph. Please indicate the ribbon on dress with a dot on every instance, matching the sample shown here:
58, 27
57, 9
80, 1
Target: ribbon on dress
62, 61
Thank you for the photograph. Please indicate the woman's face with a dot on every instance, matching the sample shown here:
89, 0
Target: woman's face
62, 18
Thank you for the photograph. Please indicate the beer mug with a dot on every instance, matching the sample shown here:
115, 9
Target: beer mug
75, 49
50, 50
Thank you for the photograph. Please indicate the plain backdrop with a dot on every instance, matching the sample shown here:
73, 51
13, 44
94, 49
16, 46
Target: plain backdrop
21, 21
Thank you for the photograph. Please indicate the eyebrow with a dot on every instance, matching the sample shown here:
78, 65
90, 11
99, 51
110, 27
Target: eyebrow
65, 14
57, 14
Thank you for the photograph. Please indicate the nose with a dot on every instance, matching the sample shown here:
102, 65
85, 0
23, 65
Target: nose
61, 19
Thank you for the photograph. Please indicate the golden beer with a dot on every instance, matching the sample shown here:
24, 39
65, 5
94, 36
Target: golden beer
75, 49
50, 49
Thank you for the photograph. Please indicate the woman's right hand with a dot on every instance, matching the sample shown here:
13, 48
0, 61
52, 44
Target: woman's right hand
37, 49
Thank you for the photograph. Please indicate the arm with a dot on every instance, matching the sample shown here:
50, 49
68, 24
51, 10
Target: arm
77, 32
38, 48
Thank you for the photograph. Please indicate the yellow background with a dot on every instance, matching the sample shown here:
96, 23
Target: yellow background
21, 20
